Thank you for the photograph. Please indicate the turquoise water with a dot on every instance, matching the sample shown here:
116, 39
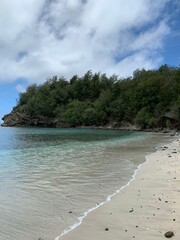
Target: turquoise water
50, 177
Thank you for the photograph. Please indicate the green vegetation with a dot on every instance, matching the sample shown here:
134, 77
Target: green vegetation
151, 99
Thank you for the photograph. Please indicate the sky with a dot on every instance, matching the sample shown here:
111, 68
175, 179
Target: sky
46, 38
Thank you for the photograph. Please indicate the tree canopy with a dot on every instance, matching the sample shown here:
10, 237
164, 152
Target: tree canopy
150, 99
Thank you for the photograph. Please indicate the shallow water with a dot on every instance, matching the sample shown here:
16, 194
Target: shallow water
45, 174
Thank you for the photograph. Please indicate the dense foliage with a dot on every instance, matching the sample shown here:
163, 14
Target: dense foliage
150, 99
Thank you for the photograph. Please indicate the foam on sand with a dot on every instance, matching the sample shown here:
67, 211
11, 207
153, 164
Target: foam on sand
144, 209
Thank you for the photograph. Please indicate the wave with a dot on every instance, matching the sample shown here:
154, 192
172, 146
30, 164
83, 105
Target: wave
108, 199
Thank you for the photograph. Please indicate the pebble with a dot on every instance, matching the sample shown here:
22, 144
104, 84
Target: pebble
169, 234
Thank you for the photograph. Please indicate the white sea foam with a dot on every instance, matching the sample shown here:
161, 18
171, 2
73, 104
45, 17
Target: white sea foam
109, 198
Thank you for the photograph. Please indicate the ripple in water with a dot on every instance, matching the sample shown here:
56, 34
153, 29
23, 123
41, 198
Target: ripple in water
50, 177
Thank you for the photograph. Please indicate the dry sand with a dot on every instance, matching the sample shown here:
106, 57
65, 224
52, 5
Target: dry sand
144, 210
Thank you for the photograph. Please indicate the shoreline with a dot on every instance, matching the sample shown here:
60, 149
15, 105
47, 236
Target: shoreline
108, 199
91, 221
172, 132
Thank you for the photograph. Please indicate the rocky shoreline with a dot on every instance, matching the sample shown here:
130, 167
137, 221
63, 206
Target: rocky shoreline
17, 119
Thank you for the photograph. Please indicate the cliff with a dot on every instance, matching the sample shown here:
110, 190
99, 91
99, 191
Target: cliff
15, 118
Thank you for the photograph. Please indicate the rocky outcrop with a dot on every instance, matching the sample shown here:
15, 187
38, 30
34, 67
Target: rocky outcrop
20, 119
15, 118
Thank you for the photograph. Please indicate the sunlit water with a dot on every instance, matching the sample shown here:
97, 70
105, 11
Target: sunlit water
50, 177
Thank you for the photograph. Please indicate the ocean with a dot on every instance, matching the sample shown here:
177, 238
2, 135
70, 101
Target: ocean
51, 178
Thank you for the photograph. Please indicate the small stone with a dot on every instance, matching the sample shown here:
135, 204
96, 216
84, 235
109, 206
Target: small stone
70, 211
131, 211
106, 229
169, 234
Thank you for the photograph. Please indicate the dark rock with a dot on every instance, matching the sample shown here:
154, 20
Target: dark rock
169, 234
131, 211
106, 229
70, 211
16, 118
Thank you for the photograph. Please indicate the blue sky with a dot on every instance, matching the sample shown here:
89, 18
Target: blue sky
41, 39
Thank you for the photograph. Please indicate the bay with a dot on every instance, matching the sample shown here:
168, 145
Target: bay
50, 177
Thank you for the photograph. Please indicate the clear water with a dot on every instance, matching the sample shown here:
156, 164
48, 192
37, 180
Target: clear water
49, 177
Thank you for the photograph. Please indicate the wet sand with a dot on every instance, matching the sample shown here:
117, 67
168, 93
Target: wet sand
146, 209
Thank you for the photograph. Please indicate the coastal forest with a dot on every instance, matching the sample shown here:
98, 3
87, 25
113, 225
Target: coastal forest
150, 99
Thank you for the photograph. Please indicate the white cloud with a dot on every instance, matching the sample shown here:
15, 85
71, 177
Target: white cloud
39, 39
20, 88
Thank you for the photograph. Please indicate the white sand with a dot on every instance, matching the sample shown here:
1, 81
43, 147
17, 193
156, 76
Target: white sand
146, 209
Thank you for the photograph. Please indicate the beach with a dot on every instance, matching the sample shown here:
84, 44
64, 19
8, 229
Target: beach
146, 208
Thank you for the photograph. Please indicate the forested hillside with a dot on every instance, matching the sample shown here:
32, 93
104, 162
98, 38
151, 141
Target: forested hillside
151, 99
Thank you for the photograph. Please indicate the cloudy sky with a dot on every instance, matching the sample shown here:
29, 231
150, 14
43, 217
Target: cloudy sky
44, 38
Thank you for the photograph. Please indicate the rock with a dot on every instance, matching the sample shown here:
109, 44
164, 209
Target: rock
169, 234
17, 118
106, 229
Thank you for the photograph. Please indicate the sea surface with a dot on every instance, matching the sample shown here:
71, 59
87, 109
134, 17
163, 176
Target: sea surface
50, 177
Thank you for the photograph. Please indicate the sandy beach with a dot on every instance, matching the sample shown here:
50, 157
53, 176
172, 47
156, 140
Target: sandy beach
145, 209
